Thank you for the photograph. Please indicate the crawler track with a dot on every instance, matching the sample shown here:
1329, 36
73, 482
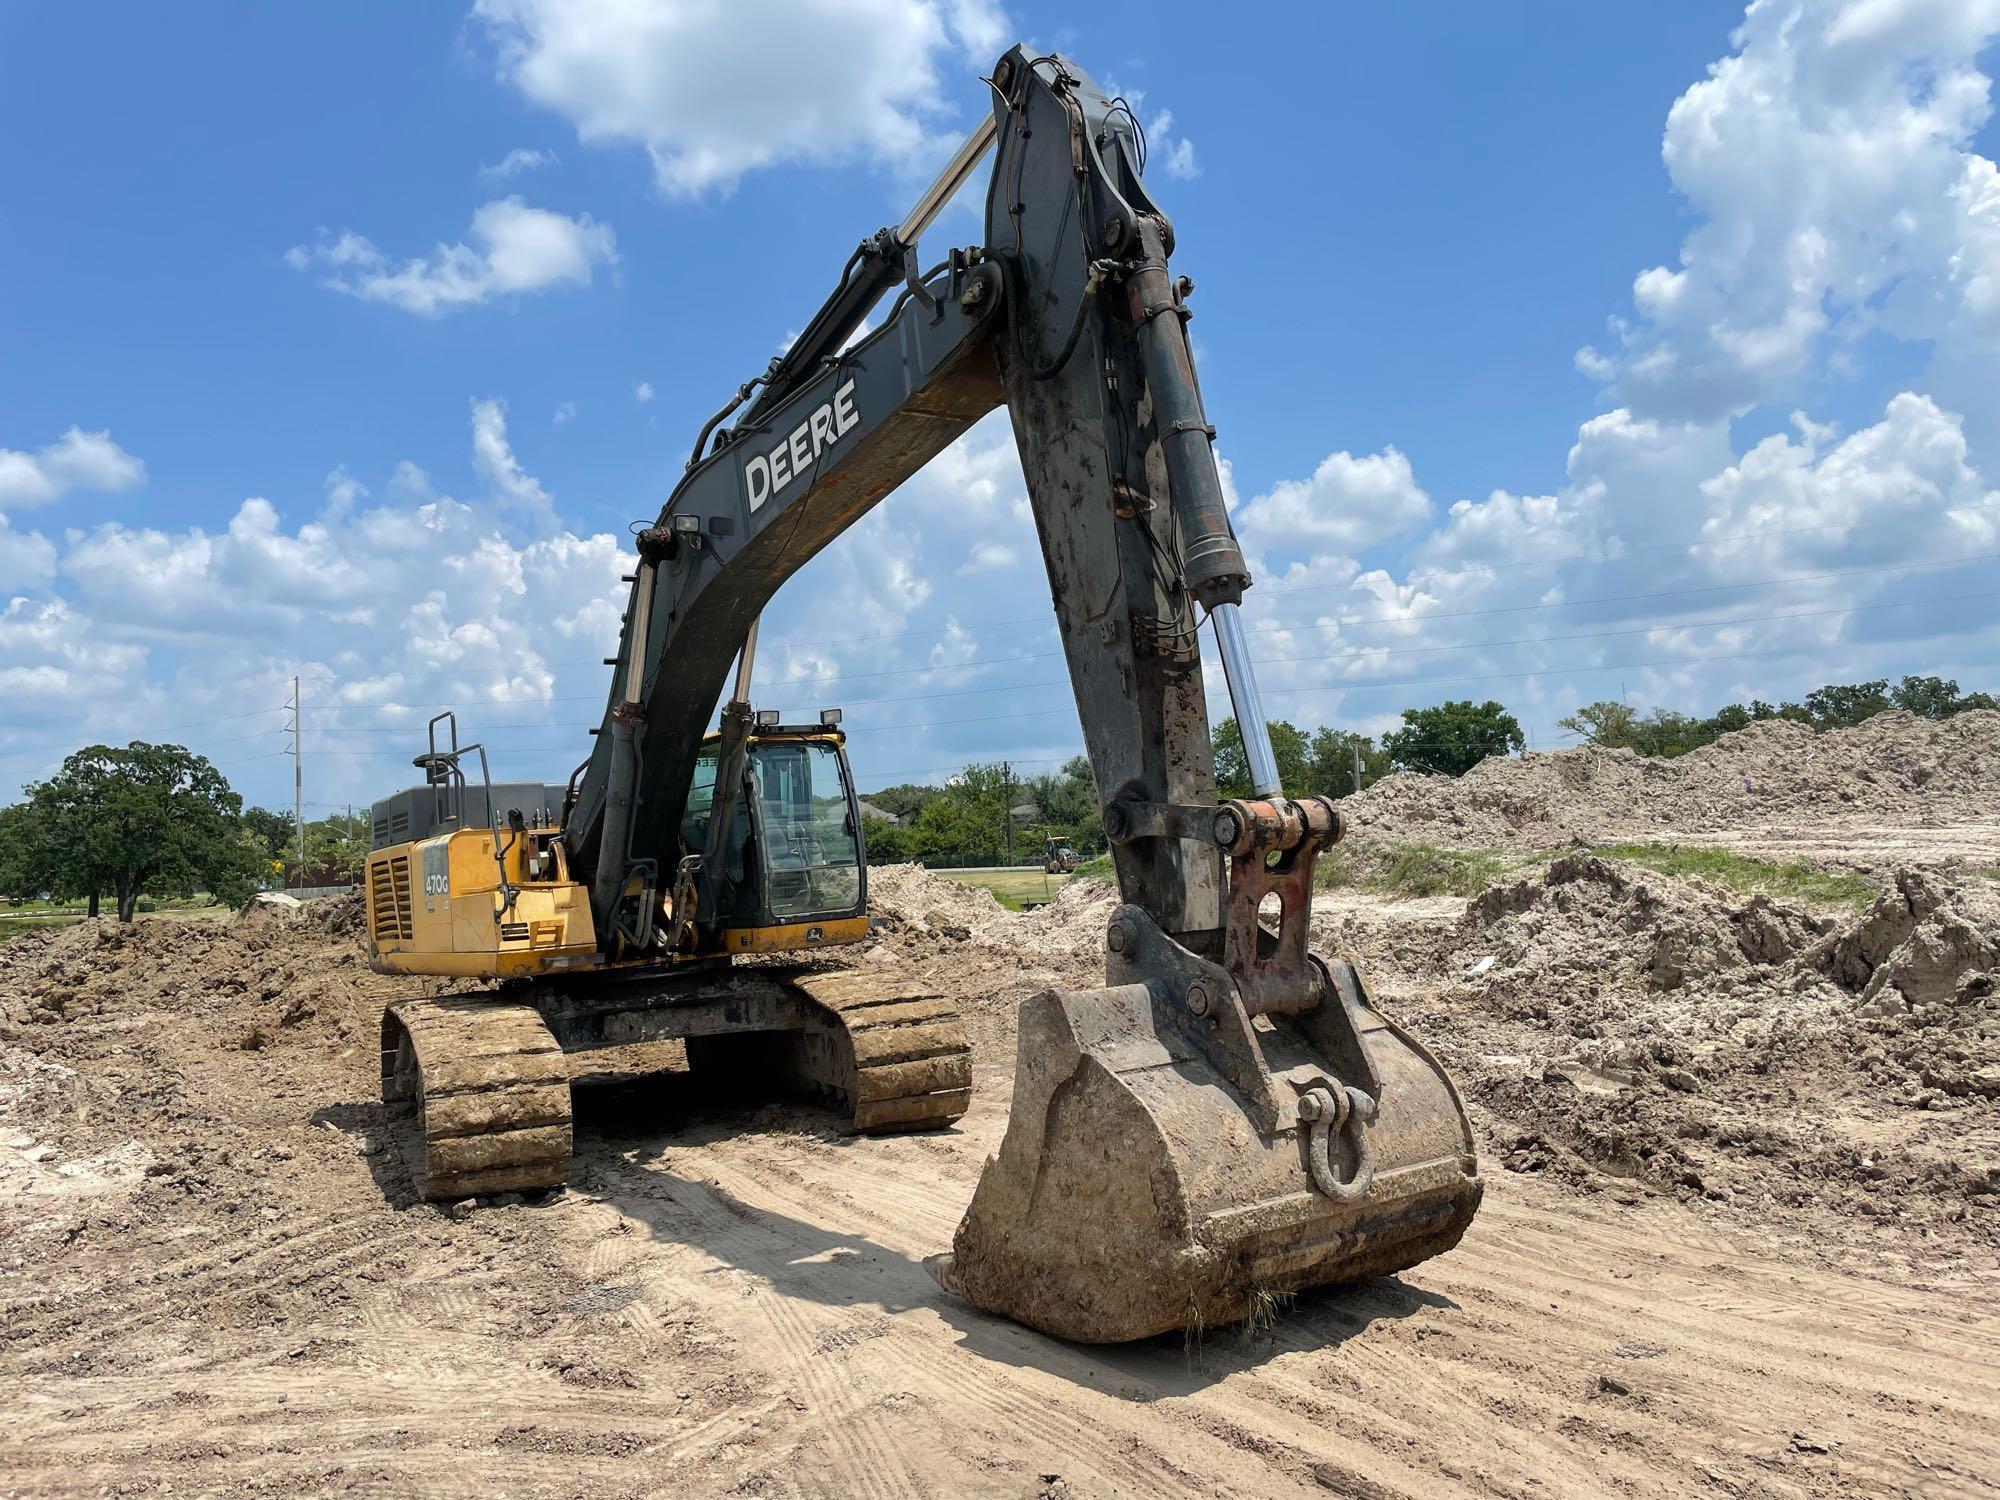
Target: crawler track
890, 1049
490, 1092
487, 1081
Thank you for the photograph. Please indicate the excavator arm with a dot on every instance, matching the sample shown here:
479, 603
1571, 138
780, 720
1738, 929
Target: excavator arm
1231, 1117
1069, 318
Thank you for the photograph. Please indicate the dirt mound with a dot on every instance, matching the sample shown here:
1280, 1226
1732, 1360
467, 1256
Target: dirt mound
1895, 767
1074, 922
1922, 942
1683, 1035
912, 907
102, 967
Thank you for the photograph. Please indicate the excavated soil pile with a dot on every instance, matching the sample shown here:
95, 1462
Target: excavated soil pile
1692, 1040
972, 948
139, 1062
914, 908
1895, 768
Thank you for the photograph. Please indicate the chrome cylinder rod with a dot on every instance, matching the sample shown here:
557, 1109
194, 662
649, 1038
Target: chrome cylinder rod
938, 194
1244, 700
746, 662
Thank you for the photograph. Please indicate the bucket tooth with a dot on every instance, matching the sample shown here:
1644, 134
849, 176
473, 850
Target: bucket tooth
1139, 1189
489, 1091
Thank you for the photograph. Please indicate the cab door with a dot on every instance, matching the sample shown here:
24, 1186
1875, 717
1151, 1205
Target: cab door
807, 831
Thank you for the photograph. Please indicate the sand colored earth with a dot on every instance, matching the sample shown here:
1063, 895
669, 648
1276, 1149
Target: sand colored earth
1895, 771
1742, 1155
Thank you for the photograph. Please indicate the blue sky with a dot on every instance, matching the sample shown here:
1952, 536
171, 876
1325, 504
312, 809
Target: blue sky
346, 340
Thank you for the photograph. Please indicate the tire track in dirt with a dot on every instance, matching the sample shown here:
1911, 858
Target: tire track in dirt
1525, 1285
824, 1284
997, 1404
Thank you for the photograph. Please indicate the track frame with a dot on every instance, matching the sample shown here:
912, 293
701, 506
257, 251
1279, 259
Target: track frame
487, 1075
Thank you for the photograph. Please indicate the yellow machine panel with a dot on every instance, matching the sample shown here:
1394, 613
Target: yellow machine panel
436, 906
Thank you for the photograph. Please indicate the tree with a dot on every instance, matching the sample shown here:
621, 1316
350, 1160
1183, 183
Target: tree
1936, 697
336, 851
1452, 738
1838, 706
153, 818
1734, 717
274, 830
905, 800
1606, 724
26, 872
1330, 773
1066, 802
1232, 766
1667, 733
967, 816
885, 843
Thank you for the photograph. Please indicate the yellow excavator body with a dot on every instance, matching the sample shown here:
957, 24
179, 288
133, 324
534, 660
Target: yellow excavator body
485, 1076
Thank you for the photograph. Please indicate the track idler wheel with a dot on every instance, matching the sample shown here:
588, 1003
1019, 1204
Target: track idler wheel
489, 1092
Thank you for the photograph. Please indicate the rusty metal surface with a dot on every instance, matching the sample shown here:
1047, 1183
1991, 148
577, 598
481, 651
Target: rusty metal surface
1272, 845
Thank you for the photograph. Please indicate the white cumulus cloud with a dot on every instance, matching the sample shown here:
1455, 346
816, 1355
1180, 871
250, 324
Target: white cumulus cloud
1346, 504
78, 460
711, 92
1829, 161
514, 249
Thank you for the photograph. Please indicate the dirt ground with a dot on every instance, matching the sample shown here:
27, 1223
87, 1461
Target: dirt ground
1743, 1200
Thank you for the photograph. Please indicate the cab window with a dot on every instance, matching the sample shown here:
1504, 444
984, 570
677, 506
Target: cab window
812, 850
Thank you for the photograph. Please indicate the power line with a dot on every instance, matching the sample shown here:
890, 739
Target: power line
230, 718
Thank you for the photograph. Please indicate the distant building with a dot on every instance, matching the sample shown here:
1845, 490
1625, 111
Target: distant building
1027, 812
870, 810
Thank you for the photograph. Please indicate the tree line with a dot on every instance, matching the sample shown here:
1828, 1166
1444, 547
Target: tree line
972, 815
159, 820
1663, 732
968, 817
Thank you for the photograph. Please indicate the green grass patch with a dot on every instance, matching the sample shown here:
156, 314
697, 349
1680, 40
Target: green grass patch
1013, 889
12, 927
1408, 869
1100, 867
1426, 870
1795, 879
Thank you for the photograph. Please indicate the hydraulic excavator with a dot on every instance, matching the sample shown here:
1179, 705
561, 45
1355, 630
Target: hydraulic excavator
1231, 1117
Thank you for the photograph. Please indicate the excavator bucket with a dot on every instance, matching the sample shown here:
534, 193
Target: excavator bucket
1181, 1154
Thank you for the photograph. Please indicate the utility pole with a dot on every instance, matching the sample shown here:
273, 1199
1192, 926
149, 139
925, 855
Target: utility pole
1357, 764
1007, 805
298, 729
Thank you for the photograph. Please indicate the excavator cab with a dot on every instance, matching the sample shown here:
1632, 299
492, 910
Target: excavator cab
794, 869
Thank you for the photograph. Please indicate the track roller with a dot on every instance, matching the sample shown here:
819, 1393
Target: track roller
490, 1091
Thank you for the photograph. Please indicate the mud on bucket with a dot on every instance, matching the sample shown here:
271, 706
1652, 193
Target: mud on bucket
1170, 1162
